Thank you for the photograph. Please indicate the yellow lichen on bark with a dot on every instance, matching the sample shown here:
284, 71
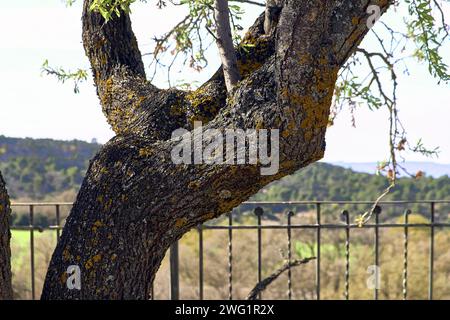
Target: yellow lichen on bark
90, 262
66, 255
145, 152
179, 223
204, 105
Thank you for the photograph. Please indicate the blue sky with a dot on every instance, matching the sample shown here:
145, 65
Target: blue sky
37, 106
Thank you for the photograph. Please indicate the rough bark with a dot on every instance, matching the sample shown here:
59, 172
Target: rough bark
271, 15
224, 42
6, 292
134, 201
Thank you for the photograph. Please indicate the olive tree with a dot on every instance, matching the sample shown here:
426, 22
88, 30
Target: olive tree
135, 201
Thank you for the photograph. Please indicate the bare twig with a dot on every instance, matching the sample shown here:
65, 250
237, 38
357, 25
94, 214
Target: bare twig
260, 4
261, 286
62, 75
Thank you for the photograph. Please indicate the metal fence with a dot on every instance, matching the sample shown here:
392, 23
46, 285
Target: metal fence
261, 210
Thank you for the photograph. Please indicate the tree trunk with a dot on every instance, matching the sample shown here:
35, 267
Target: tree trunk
5, 251
135, 201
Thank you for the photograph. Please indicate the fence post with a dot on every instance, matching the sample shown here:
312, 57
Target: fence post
230, 256
318, 241
405, 254
347, 253
431, 261
58, 222
377, 211
259, 212
200, 261
31, 227
289, 247
174, 272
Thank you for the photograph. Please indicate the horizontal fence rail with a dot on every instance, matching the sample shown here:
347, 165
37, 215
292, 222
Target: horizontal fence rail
265, 216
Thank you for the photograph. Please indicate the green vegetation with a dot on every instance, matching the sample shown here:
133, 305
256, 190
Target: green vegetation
45, 169
44, 243
322, 181
274, 252
37, 168
53, 170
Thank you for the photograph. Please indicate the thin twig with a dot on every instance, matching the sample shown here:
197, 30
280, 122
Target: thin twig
261, 286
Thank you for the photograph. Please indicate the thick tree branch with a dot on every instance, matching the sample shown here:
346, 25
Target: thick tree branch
110, 45
130, 103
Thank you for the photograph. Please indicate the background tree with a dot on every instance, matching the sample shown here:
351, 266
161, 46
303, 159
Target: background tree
134, 202
5, 236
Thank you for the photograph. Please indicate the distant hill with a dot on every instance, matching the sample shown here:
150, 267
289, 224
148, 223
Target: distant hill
36, 168
323, 181
432, 169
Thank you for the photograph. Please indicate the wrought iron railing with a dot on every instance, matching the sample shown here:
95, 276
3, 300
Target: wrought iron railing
261, 210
